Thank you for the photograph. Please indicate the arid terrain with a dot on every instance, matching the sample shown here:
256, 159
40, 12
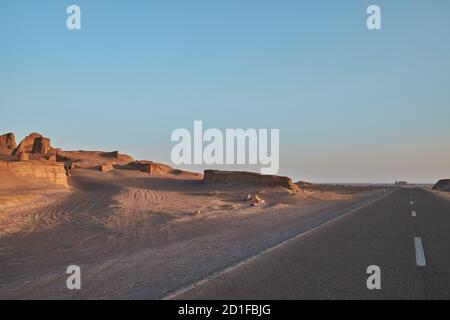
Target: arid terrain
139, 229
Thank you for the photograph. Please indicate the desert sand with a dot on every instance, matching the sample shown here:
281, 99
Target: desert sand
138, 229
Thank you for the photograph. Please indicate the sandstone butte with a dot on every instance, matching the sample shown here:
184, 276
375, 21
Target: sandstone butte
154, 168
51, 172
247, 178
442, 185
30, 159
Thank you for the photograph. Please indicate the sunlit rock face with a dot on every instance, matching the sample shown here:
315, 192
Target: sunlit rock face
44, 170
7, 143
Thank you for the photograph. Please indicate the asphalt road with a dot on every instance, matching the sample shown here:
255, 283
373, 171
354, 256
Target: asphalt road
331, 262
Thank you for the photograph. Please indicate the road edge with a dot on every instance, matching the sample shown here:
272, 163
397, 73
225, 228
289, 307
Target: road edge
177, 292
438, 194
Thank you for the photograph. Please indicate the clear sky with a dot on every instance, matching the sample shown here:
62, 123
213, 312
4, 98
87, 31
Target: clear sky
352, 105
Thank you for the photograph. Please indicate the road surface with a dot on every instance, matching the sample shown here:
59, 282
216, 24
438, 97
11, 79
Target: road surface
406, 234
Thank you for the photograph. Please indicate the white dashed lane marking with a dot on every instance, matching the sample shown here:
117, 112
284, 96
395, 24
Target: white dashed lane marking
420, 254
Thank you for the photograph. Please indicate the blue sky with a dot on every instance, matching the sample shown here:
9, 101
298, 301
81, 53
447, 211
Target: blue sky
352, 105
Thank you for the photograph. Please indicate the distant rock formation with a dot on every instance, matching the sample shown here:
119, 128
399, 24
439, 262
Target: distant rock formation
155, 168
112, 154
34, 157
150, 167
304, 184
7, 143
442, 185
34, 143
93, 159
247, 178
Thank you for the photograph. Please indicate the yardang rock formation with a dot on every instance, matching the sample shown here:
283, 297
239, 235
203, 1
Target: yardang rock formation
7, 143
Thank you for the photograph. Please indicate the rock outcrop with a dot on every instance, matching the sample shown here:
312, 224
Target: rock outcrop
23, 156
43, 170
93, 159
442, 185
150, 167
247, 178
34, 143
254, 200
304, 184
106, 167
35, 157
42, 146
155, 168
7, 143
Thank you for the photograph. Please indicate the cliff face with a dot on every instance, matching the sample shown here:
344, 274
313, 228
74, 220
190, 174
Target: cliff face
247, 178
443, 185
7, 143
48, 171
42, 146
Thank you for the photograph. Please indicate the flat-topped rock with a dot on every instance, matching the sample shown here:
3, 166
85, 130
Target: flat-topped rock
150, 167
247, 178
93, 159
48, 171
442, 185
155, 168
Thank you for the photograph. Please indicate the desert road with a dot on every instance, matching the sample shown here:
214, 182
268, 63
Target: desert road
406, 234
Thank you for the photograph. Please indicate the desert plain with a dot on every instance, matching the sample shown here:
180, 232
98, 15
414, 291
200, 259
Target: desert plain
141, 229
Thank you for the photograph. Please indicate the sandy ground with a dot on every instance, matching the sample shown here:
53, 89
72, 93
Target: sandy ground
137, 236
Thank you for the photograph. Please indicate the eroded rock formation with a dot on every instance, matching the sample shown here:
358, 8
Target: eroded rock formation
7, 143
442, 185
150, 167
42, 146
93, 159
34, 143
34, 157
247, 178
51, 172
